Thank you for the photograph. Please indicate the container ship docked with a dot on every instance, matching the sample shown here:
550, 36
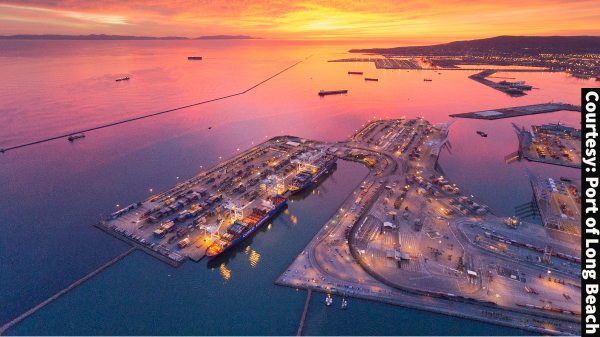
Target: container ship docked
241, 229
313, 172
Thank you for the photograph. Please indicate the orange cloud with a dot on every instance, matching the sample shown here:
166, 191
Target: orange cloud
368, 19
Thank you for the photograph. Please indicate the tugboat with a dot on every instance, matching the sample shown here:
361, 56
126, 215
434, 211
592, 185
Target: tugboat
482, 134
73, 137
427, 79
122, 79
328, 300
344, 304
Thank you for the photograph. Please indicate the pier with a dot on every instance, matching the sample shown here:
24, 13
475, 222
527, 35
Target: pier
30, 312
518, 111
411, 238
304, 313
181, 223
544, 146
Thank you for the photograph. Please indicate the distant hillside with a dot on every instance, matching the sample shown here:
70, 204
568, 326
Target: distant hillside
119, 37
227, 37
507, 45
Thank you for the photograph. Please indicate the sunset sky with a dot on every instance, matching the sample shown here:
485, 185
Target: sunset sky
431, 20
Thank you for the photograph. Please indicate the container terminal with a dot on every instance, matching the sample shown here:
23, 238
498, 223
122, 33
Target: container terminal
554, 144
213, 211
406, 236
410, 237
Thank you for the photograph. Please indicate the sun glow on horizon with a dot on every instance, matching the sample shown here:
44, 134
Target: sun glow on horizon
375, 20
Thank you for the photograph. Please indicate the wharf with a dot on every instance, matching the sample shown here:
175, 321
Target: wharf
481, 78
557, 203
518, 111
213, 192
427, 247
537, 146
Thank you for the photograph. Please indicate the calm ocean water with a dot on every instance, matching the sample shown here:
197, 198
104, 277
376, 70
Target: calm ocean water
51, 193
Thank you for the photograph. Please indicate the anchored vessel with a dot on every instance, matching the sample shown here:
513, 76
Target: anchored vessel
519, 85
311, 171
334, 92
122, 79
194, 58
73, 137
241, 229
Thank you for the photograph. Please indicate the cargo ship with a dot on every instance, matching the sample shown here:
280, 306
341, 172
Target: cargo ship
312, 172
371, 79
333, 92
194, 58
513, 90
519, 85
122, 79
427, 79
355, 72
76, 136
241, 229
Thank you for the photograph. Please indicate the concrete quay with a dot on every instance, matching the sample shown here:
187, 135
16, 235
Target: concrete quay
407, 235
525, 110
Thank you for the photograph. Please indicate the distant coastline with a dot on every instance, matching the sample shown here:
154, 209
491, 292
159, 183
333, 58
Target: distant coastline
122, 37
499, 46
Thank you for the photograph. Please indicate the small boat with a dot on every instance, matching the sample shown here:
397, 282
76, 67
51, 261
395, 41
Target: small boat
371, 79
427, 79
210, 127
566, 179
122, 79
344, 304
194, 58
482, 134
73, 137
355, 73
328, 300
